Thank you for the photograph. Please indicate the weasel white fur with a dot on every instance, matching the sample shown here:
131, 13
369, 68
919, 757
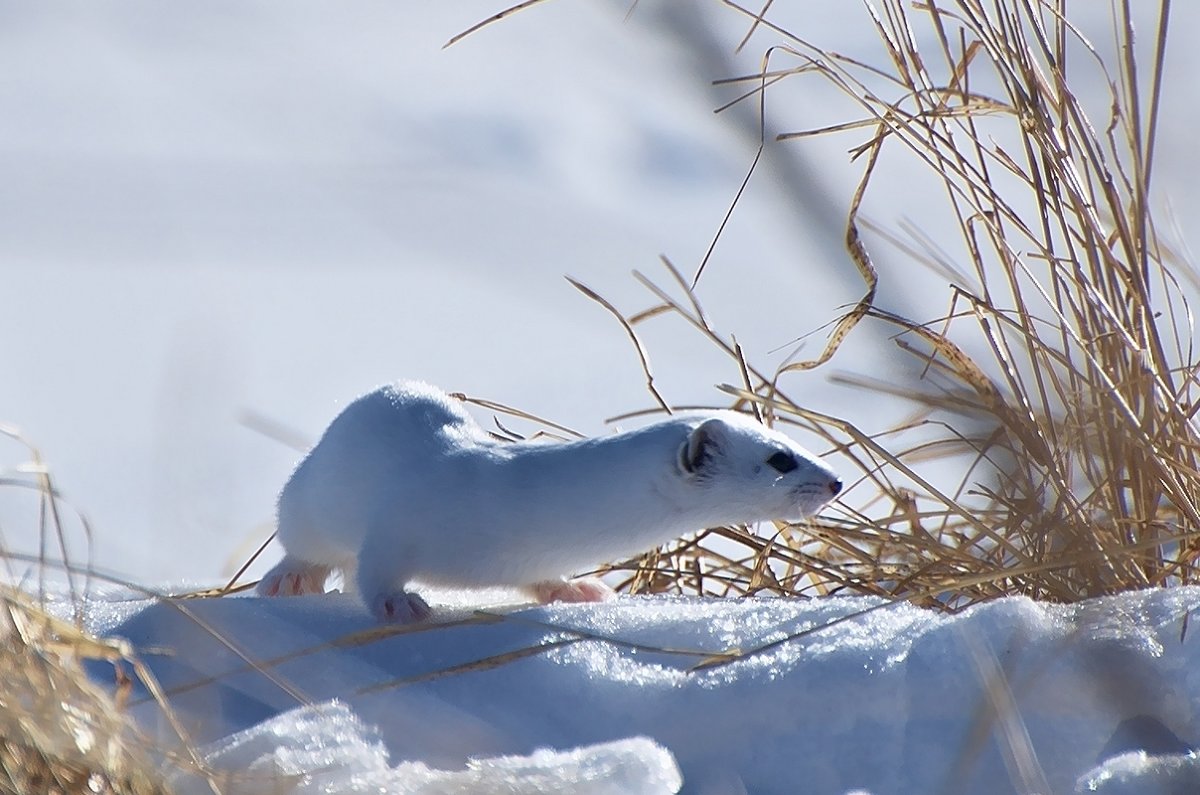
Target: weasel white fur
405, 486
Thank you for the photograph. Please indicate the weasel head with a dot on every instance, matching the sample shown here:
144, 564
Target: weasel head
746, 472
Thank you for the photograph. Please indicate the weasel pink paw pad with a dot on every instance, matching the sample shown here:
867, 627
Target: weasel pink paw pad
400, 608
585, 590
293, 583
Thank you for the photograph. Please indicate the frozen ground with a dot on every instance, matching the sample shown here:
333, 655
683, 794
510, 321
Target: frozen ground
826, 696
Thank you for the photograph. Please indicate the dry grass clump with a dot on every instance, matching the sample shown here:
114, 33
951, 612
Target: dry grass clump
1074, 412
1062, 379
59, 733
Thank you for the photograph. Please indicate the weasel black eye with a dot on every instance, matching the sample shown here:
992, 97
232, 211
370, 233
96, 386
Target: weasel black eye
782, 462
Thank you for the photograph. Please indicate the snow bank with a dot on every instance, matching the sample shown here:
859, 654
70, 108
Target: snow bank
1011, 695
1137, 772
326, 748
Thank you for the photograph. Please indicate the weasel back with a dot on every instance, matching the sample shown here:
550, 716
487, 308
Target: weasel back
381, 440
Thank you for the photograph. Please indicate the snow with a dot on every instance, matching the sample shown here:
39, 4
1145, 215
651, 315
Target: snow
1132, 773
325, 748
828, 695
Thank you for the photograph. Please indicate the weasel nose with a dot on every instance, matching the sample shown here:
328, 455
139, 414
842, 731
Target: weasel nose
835, 486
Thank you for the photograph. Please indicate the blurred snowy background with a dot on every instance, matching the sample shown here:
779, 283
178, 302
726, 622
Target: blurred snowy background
271, 207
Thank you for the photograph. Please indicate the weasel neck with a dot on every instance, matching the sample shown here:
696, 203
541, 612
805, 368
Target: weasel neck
622, 485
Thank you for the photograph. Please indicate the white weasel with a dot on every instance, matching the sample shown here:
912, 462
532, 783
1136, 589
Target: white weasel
404, 485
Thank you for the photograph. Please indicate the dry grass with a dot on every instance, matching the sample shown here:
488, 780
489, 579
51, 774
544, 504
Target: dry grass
1062, 378
59, 733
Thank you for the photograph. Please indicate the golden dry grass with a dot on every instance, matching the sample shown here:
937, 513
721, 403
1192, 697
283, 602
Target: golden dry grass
1074, 416
60, 733
1063, 375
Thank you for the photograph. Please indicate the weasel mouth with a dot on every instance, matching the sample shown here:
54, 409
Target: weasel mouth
811, 497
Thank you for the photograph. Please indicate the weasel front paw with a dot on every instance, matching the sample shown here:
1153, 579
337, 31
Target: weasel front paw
291, 578
587, 589
400, 608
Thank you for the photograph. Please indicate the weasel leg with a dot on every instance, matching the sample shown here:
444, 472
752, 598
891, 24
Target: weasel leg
585, 589
381, 578
294, 577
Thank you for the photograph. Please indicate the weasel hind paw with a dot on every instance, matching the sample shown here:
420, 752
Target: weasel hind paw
400, 608
587, 589
293, 580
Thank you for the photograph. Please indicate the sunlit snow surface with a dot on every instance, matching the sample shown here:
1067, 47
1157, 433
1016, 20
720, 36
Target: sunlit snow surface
848, 694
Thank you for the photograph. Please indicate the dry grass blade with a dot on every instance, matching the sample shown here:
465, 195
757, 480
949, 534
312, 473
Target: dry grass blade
50, 519
581, 634
508, 12
269, 667
232, 586
1000, 712
492, 405
862, 261
484, 664
754, 25
643, 356
712, 246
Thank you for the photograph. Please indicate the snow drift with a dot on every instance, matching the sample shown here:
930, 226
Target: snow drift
760, 696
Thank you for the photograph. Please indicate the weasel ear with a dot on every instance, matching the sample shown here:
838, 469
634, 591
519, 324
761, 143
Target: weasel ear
699, 446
